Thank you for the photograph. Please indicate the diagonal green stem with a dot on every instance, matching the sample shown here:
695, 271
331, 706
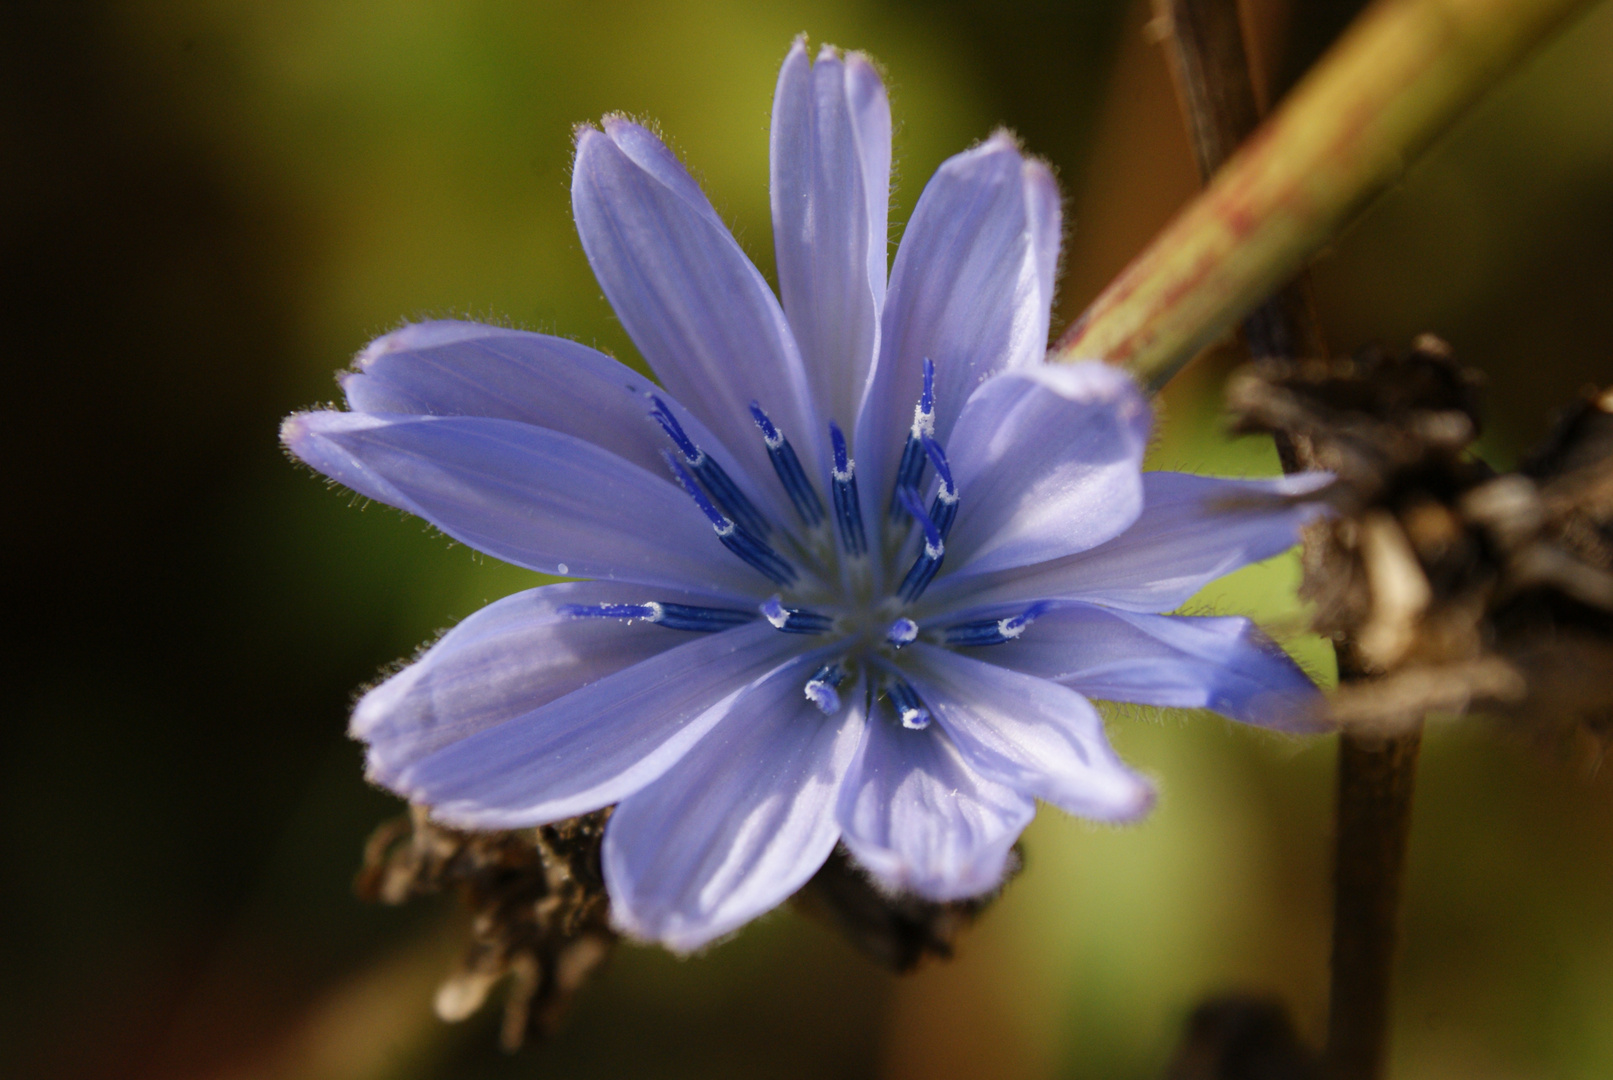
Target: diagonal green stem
1396, 80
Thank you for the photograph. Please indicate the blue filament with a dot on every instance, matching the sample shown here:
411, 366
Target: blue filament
994, 631
848, 511
788, 467
704, 620
929, 560
944, 509
674, 431
754, 552
910, 471
716, 479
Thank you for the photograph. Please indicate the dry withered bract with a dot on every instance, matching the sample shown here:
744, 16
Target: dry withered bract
541, 917
896, 932
539, 911
1460, 587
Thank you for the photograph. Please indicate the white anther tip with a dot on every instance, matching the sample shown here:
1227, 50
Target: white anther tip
1013, 627
824, 696
773, 611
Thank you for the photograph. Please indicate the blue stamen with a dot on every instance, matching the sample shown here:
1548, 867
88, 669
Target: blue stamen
788, 467
994, 631
755, 552
823, 689
944, 509
903, 631
716, 479
929, 561
910, 471
848, 511
672, 616
795, 620
674, 431
909, 708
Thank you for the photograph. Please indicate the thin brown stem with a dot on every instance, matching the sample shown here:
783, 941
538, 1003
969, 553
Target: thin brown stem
1376, 777
1210, 69
1215, 88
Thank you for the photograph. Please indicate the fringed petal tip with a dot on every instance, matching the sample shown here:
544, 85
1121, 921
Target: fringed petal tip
897, 877
427, 334
684, 940
1138, 805
293, 430
302, 437
1001, 140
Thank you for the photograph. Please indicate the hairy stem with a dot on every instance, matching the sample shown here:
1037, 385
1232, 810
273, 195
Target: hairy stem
1397, 78
1215, 88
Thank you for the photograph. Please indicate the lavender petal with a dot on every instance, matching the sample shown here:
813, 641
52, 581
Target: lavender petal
1193, 662
739, 823
831, 150
1047, 461
516, 655
971, 288
591, 747
529, 496
701, 314
451, 368
1036, 736
1192, 530
921, 820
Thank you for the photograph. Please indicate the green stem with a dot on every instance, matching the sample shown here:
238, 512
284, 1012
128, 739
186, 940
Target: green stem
1392, 84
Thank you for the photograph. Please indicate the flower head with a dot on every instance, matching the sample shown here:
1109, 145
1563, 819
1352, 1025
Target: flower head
857, 563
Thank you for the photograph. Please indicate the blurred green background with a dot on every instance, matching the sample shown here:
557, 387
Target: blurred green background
208, 207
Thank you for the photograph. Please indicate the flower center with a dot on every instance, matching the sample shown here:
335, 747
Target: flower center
825, 575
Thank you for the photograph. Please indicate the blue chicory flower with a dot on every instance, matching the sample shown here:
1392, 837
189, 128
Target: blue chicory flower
856, 565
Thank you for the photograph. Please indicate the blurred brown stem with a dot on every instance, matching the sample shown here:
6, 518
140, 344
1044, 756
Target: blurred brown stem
1209, 65
1376, 777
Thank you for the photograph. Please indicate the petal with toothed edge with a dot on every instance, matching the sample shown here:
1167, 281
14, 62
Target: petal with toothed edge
593, 746
506, 660
1222, 663
690, 299
451, 368
1047, 461
739, 823
921, 820
831, 154
971, 288
529, 496
1192, 530
1036, 736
